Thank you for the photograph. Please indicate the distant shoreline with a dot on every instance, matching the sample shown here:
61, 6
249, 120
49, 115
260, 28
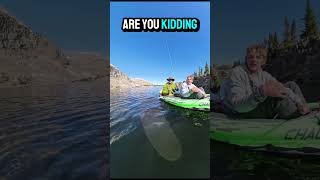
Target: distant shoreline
156, 85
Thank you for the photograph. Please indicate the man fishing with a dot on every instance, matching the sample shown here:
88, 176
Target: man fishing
169, 88
190, 91
254, 93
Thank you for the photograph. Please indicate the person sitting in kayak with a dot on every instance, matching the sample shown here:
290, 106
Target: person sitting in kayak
169, 88
254, 93
190, 91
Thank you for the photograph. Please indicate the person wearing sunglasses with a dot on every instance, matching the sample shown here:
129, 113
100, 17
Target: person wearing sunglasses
169, 88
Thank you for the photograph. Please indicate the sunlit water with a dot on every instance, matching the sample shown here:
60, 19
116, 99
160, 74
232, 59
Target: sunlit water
57, 132
149, 138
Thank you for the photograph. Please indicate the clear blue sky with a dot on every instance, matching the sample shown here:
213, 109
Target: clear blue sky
145, 54
238, 24
71, 25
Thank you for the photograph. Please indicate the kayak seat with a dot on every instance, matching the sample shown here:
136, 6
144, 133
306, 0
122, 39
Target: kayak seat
177, 94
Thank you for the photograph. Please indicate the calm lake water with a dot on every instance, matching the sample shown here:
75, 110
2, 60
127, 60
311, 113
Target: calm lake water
57, 132
230, 162
151, 139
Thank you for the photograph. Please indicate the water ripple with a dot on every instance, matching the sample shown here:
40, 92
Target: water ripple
54, 136
126, 109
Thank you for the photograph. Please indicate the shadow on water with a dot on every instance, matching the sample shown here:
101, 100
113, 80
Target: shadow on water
152, 139
54, 132
160, 135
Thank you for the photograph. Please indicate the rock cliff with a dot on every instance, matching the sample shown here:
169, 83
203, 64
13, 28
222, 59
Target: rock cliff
121, 81
28, 58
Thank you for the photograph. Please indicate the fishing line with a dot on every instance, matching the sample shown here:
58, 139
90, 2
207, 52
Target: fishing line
169, 55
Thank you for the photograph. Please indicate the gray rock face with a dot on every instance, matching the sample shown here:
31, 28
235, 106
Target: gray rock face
116, 73
27, 58
121, 81
18, 39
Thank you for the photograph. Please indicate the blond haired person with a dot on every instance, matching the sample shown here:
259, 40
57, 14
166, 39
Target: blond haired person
254, 93
190, 91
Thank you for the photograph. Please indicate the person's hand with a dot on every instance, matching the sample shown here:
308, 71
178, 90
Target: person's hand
303, 109
274, 89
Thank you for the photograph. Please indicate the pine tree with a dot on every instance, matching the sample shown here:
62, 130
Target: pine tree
207, 70
293, 31
270, 41
195, 74
310, 23
199, 72
265, 42
286, 33
275, 41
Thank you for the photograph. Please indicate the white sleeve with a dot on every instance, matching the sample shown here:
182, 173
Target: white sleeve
290, 94
238, 98
185, 90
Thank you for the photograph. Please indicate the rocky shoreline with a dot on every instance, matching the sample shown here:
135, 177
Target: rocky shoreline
29, 59
119, 81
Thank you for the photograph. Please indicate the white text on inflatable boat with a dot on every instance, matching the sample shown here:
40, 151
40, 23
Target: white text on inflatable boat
303, 134
204, 104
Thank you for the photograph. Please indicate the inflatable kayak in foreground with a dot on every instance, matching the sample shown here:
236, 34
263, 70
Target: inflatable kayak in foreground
301, 134
195, 104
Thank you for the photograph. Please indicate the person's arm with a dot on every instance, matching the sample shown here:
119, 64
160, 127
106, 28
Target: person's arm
295, 98
288, 92
175, 87
197, 90
238, 98
299, 101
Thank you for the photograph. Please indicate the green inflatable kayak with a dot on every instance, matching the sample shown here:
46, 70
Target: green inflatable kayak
195, 104
296, 134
